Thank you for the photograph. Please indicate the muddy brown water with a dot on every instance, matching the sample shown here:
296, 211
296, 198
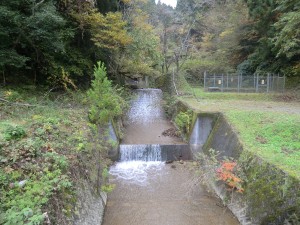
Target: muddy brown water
150, 134
146, 120
155, 193
162, 194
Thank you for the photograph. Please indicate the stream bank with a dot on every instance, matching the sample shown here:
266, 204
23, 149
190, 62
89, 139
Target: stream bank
271, 195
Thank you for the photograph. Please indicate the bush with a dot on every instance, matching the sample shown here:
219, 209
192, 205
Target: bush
14, 133
183, 121
105, 101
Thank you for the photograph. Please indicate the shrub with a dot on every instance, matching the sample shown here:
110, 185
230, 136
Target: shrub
105, 102
14, 133
183, 121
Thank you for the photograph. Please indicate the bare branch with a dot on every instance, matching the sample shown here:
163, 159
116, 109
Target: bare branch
19, 104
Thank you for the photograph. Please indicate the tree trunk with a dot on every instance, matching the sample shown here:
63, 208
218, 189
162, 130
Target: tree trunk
34, 79
165, 67
4, 78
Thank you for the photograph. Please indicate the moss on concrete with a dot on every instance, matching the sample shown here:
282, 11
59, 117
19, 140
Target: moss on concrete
272, 196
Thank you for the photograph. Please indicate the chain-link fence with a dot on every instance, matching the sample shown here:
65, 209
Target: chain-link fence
244, 83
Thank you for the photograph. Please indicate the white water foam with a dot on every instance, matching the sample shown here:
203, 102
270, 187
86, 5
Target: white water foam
135, 172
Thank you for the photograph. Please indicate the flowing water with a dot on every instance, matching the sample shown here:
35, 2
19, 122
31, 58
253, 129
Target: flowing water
150, 192
200, 133
146, 120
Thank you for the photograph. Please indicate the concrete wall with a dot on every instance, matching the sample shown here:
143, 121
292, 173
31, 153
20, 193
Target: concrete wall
223, 139
271, 197
90, 206
175, 152
90, 200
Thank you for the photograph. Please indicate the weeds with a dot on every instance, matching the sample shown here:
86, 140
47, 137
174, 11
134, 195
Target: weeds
14, 133
183, 120
37, 153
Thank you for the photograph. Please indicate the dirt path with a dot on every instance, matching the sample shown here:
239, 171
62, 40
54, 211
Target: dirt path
226, 105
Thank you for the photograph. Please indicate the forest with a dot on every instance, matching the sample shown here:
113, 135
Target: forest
58, 42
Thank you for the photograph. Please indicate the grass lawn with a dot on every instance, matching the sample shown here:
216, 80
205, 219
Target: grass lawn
266, 126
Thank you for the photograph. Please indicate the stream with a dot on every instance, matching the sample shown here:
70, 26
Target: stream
149, 191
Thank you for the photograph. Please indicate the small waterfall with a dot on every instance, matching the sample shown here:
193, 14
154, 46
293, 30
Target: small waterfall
146, 121
200, 133
146, 108
136, 162
140, 153
194, 139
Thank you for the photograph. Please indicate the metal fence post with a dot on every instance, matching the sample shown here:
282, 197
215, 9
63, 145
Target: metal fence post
238, 87
283, 90
257, 81
204, 80
241, 81
214, 79
273, 81
222, 82
268, 83
227, 81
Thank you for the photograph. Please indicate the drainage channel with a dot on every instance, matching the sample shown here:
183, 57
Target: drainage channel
155, 183
153, 192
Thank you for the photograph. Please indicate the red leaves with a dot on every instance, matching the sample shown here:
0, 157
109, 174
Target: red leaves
226, 173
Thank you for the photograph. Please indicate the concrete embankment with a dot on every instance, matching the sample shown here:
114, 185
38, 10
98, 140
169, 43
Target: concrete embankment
150, 191
271, 196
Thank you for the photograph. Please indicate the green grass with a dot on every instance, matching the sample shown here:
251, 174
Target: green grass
201, 94
275, 137
267, 127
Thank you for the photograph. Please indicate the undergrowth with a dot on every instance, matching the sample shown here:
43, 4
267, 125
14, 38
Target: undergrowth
44, 142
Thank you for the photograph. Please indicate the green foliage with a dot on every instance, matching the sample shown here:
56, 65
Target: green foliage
183, 121
14, 217
109, 31
57, 42
106, 187
105, 102
35, 170
22, 202
14, 133
287, 42
226, 39
141, 56
275, 28
213, 33
13, 96
292, 220
31, 32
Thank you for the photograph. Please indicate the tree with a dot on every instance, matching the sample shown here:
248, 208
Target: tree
210, 37
31, 33
275, 28
286, 40
141, 56
105, 103
57, 41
